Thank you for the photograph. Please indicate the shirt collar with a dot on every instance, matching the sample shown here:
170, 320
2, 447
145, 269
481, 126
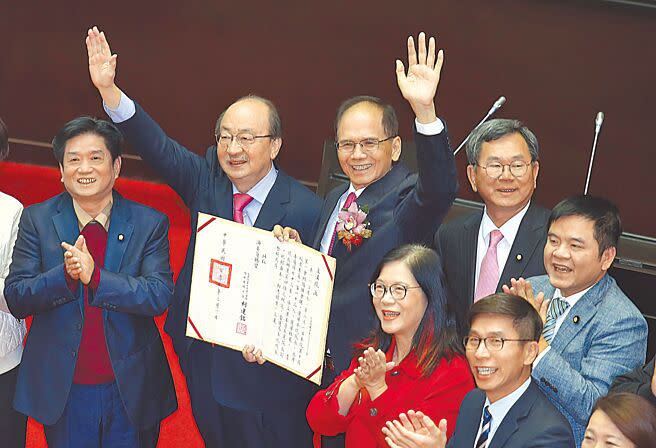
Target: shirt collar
574, 297
500, 408
83, 218
261, 189
352, 189
509, 229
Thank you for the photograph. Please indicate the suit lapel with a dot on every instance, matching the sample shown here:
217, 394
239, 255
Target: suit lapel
517, 412
120, 232
469, 244
584, 309
327, 210
275, 206
527, 239
67, 229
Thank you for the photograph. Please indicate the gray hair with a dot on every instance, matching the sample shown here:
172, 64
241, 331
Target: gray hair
275, 124
494, 130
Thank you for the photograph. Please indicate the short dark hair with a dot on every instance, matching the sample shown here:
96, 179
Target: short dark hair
436, 336
496, 129
4, 140
604, 214
390, 122
526, 319
88, 125
633, 415
275, 124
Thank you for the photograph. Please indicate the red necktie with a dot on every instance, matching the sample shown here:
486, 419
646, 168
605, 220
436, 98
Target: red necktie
350, 199
488, 277
239, 202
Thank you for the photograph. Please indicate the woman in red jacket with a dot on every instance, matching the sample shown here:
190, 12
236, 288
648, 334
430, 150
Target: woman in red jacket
412, 360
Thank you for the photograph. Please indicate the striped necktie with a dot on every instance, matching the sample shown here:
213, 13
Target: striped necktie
485, 429
557, 307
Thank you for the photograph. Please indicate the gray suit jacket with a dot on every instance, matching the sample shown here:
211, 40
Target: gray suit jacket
456, 243
531, 422
603, 336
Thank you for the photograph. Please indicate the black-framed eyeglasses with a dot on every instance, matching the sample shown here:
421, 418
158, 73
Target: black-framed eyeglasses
398, 291
367, 145
493, 344
244, 140
495, 169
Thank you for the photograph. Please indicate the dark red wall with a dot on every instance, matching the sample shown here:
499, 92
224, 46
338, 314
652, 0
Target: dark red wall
557, 61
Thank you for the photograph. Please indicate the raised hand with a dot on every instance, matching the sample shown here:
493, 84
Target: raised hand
78, 261
102, 67
524, 289
416, 430
371, 370
251, 355
419, 85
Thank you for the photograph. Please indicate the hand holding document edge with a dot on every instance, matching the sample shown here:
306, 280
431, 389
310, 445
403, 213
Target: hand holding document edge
227, 254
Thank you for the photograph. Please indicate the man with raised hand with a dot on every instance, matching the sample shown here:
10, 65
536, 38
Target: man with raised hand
507, 409
234, 403
592, 330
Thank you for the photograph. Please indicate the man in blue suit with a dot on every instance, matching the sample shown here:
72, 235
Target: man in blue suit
592, 331
92, 268
507, 409
234, 403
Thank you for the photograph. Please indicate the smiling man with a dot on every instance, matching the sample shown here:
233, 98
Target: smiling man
92, 268
507, 409
484, 250
592, 331
234, 403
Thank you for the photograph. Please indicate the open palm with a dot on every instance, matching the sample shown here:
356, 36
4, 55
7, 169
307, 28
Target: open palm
102, 64
420, 83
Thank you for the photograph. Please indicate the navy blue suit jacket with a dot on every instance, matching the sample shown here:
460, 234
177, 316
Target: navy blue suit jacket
403, 208
456, 241
532, 422
136, 284
204, 187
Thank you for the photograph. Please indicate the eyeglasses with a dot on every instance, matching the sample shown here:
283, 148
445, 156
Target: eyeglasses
368, 145
495, 169
243, 140
493, 344
397, 290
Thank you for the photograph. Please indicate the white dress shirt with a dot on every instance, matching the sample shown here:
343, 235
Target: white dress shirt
499, 409
509, 231
433, 128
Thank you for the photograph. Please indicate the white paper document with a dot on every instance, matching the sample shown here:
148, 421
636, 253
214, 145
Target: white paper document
249, 288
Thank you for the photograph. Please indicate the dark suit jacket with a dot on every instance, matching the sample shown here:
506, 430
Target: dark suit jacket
637, 382
532, 422
136, 284
457, 240
204, 187
403, 208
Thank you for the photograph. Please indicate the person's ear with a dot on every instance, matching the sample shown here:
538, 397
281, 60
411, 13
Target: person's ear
396, 148
117, 167
607, 258
471, 175
531, 351
276, 144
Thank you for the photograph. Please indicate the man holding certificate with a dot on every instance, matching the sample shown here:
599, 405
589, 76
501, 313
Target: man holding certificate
234, 403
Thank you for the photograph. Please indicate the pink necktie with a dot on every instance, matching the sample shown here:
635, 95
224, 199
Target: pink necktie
350, 199
488, 276
239, 201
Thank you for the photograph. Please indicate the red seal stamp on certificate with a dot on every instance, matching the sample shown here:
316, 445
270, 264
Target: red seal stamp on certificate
241, 328
220, 273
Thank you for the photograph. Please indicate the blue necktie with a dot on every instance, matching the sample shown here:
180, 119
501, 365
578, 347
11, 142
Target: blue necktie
485, 429
557, 307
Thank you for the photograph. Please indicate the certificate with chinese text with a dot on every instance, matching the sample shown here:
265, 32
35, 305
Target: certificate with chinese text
249, 288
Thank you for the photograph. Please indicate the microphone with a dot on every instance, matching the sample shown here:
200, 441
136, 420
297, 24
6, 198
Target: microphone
599, 120
495, 107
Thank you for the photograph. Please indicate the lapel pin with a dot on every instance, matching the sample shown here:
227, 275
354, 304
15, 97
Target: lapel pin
576, 319
120, 237
518, 257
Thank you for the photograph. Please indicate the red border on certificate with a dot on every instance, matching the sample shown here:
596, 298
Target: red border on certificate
220, 273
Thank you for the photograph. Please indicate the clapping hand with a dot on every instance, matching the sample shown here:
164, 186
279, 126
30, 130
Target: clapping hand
78, 261
415, 430
371, 370
419, 85
523, 289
